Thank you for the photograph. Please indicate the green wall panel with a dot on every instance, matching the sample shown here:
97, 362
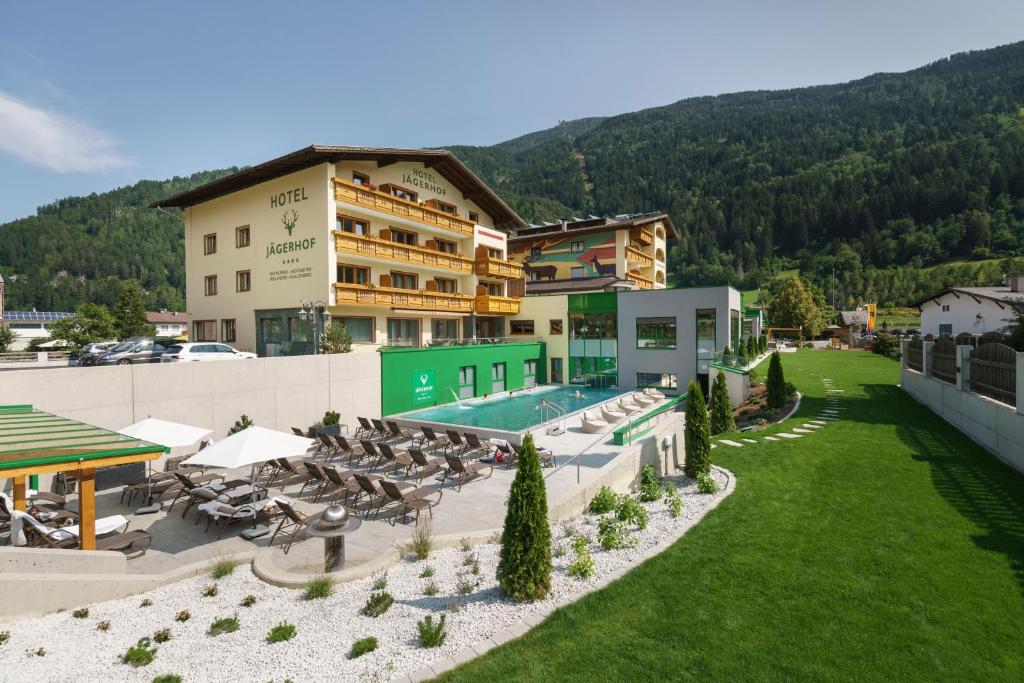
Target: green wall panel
420, 378
595, 302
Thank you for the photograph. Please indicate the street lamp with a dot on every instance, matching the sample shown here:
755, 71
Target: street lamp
316, 313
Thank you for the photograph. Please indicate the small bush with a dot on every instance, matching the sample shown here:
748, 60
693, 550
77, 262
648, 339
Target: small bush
475, 567
222, 568
427, 572
612, 534
378, 604
604, 501
145, 603
162, 635
248, 601
580, 543
776, 383
183, 616
465, 586
650, 484
467, 560
210, 590
790, 390
632, 512
281, 632
40, 652
4, 637
318, 588
583, 566
140, 654
454, 606
567, 530
380, 581
465, 545
331, 417
80, 613
705, 484
362, 646
431, 589
674, 502
559, 551
167, 678
422, 540
103, 625
224, 625
431, 634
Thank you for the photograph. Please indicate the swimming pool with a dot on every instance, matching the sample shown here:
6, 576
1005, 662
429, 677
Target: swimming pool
515, 413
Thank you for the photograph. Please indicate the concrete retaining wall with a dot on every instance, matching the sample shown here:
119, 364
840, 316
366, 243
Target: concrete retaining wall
738, 383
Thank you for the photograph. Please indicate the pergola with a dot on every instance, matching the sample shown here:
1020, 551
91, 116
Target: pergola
797, 331
36, 442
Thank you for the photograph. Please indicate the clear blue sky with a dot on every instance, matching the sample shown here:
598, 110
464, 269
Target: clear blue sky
98, 95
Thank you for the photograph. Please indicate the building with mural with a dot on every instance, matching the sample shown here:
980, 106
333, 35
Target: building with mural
630, 246
402, 247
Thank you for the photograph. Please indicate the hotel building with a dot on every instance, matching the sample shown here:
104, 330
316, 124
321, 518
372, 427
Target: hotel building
404, 247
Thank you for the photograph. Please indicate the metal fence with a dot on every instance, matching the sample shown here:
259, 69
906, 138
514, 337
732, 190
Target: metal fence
994, 372
943, 365
915, 355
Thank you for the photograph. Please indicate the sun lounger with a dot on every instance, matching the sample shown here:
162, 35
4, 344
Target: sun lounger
425, 465
217, 512
547, 458
591, 425
628, 408
654, 393
642, 399
341, 481
611, 415
371, 487
415, 499
428, 436
37, 534
462, 471
292, 523
399, 433
354, 453
475, 447
399, 458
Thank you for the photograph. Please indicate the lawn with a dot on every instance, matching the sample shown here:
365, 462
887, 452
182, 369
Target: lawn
885, 547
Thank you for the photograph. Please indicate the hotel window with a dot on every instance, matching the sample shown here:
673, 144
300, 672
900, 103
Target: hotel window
210, 285
353, 275
556, 370
521, 326
529, 372
655, 333
403, 280
299, 330
447, 247
497, 377
446, 207
536, 253
945, 308
493, 288
494, 253
576, 247
400, 192
657, 380
946, 329
243, 281
360, 178
555, 326
205, 330
444, 329
355, 226
446, 285
577, 273
467, 381
210, 244
474, 216
403, 332
403, 236
272, 330
227, 328
360, 329
242, 237
707, 342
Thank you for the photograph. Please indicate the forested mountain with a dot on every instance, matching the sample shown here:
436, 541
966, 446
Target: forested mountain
877, 179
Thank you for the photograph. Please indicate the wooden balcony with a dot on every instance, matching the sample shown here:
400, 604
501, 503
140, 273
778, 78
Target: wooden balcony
350, 193
642, 260
491, 304
375, 247
391, 297
488, 266
641, 236
641, 281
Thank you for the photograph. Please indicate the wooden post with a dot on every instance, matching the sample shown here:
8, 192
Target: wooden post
19, 493
87, 509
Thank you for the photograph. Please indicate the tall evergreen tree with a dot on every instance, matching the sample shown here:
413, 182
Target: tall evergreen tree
130, 312
721, 407
697, 436
524, 566
751, 351
776, 383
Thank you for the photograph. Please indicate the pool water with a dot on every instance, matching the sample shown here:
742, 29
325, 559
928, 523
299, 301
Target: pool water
514, 413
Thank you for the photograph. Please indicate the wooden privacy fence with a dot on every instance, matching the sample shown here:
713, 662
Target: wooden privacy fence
943, 365
966, 339
994, 372
914, 354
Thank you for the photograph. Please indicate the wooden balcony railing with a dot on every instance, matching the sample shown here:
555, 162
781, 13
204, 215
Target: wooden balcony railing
488, 266
499, 305
638, 257
642, 236
641, 281
391, 297
345, 191
375, 247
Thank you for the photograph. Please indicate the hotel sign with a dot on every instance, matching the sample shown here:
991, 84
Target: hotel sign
423, 386
290, 247
424, 181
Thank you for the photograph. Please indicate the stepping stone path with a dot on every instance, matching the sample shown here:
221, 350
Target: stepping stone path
802, 431
812, 426
731, 443
771, 438
784, 435
819, 423
749, 440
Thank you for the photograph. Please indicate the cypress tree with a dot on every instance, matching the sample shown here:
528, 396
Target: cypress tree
697, 435
721, 407
524, 566
776, 383
751, 353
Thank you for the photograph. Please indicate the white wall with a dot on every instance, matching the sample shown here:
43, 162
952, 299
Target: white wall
962, 315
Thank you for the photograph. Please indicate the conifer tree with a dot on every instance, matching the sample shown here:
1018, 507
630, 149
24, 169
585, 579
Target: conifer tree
130, 312
776, 383
697, 436
524, 566
721, 407
751, 351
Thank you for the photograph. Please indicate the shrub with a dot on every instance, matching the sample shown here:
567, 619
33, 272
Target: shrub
583, 566
467, 560
243, 423
422, 539
431, 589
331, 417
650, 484
80, 613
524, 567
318, 588
224, 625
377, 604
674, 502
248, 601
612, 534
4, 637
431, 634
559, 551
465, 586
604, 501
281, 632
162, 635
380, 581
210, 590
721, 407
140, 654
790, 390
362, 646
885, 344
580, 543
222, 568
697, 434
631, 511
427, 572
145, 603
474, 568
183, 616
776, 383
454, 606
750, 349
167, 678
465, 545
567, 530
103, 625
336, 339
705, 484
754, 377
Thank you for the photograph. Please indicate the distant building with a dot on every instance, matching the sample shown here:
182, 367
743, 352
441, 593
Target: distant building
975, 310
29, 325
168, 323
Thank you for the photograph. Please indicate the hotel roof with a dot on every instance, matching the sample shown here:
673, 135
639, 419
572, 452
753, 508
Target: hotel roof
36, 316
440, 160
579, 284
596, 224
997, 294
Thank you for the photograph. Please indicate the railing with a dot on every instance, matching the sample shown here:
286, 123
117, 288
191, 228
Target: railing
641, 281
635, 255
943, 365
493, 304
33, 356
994, 372
375, 247
479, 341
345, 191
915, 356
642, 236
641, 425
362, 295
489, 266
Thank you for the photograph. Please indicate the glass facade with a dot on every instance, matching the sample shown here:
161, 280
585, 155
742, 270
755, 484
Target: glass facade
656, 333
593, 339
707, 341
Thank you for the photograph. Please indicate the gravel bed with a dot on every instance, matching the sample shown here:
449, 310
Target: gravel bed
326, 628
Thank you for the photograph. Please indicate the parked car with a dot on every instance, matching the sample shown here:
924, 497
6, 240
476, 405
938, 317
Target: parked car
897, 333
192, 352
913, 333
88, 354
141, 350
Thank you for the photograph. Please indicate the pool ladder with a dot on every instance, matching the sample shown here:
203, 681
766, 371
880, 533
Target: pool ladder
548, 408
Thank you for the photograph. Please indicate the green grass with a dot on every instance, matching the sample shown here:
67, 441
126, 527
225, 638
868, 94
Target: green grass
885, 547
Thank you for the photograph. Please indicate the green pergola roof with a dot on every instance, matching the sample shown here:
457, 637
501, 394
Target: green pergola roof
33, 437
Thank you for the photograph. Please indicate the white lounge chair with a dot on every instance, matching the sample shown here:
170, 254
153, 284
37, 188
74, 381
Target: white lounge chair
629, 408
590, 425
654, 393
643, 399
611, 414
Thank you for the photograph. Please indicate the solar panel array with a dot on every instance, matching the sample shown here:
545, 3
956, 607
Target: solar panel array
37, 316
